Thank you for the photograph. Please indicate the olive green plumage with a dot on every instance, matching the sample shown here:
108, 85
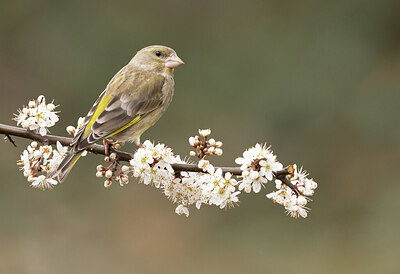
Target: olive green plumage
134, 100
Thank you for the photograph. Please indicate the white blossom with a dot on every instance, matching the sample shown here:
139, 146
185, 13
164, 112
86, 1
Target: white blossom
204, 132
37, 116
257, 164
206, 166
295, 205
181, 209
37, 161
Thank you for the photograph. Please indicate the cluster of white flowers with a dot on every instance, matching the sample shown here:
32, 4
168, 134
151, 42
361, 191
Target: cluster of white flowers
257, 164
38, 161
152, 164
37, 116
206, 147
294, 204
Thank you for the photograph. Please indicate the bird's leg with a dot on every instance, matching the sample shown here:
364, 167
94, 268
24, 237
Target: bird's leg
107, 144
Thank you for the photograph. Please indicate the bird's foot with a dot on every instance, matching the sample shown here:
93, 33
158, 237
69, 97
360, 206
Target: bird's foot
107, 145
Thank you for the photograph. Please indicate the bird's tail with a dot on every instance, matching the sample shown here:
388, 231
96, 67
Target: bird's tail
66, 165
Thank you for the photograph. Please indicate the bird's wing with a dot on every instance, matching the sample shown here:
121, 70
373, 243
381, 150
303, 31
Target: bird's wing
121, 105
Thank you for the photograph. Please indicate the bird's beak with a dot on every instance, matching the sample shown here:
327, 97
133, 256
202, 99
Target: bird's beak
173, 61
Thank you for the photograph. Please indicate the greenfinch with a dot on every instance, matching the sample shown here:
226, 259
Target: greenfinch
133, 101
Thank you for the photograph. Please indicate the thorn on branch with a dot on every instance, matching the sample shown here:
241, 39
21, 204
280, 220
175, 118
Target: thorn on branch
8, 137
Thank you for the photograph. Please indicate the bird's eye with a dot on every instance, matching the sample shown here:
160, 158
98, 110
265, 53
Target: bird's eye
158, 53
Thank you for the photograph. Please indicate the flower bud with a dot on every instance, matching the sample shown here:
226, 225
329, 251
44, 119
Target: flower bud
218, 144
34, 144
31, 104
106, 159
71, 130
107, 183
99, 174
192, 153
109, 173
113, 156
192, 141
218, 151
125, 169
99, 168
211, 141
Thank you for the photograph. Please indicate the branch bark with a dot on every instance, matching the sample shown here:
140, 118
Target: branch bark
125, 156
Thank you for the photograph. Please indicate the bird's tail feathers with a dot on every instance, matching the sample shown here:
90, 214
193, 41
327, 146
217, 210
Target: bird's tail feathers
66, 165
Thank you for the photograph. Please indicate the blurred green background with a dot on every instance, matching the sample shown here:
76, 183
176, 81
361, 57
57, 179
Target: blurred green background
318, 80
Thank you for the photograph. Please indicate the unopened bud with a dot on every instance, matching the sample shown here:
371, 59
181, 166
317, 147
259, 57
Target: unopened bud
109, 173
99, 174
218, 144
125, 169
34, 144
218, 151
106, 159
192, 153
71, 130
107, 183
192, 141
211, 141
31, 104
99, 168
113, 156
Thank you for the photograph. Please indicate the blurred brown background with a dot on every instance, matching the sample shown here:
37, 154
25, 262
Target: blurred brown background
318, 80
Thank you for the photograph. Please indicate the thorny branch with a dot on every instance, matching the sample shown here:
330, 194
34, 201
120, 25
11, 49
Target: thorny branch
125, 156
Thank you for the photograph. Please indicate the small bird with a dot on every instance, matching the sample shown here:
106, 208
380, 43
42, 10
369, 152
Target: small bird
133, 101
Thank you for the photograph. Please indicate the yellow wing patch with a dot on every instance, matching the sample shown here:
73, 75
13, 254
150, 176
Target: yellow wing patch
131, 123
102, 105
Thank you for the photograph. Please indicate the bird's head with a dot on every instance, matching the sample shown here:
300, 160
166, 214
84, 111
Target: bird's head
156, 58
